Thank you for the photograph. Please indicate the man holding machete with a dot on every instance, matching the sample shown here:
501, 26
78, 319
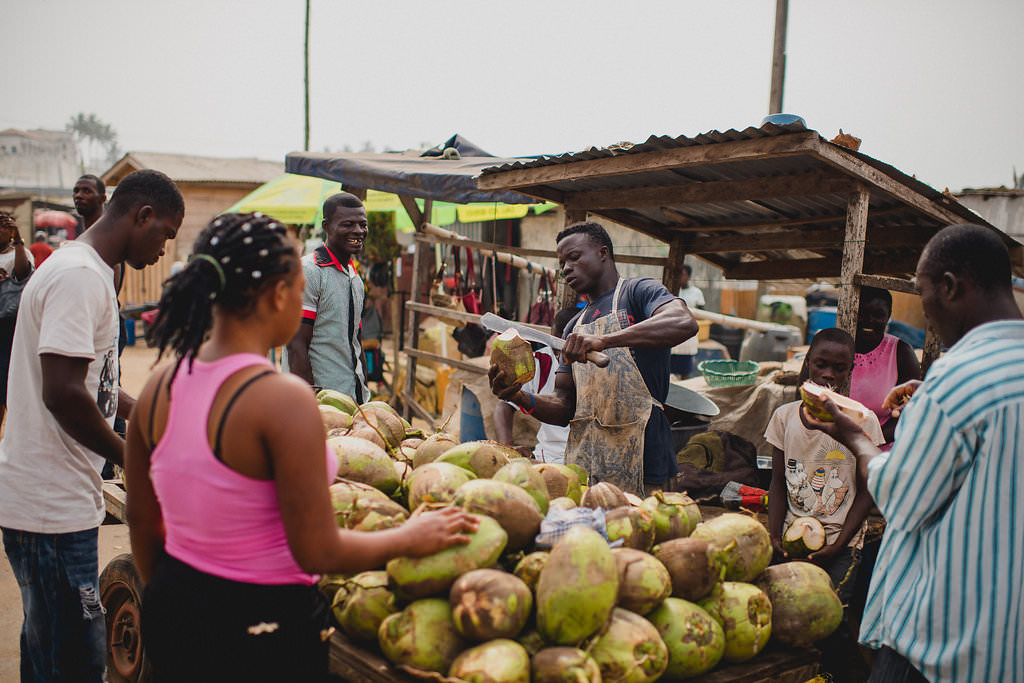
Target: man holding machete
617, 428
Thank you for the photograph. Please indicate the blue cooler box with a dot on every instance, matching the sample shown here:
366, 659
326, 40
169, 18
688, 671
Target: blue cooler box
820, 318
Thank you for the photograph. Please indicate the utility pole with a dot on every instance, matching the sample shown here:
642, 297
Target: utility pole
779, 57
305, 144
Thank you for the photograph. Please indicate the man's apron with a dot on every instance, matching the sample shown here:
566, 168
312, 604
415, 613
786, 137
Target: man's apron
613, 405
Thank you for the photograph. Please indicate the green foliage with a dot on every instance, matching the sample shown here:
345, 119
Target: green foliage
381, 243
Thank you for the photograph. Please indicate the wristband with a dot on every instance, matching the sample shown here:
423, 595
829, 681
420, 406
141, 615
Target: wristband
533, 404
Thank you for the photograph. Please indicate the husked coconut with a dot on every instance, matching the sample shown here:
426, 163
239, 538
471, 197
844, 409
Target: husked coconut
489, 603
497, 661
643, 580
512, 355
433, 447
676, 515
805, 535
805, 608
604, 495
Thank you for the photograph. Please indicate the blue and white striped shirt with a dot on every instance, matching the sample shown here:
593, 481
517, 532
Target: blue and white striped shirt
948, 589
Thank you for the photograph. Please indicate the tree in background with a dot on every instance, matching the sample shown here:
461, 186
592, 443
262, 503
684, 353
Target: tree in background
97, 141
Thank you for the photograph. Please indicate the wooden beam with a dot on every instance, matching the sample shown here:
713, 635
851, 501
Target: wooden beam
453, 362
853, 260
846, 161
655, 160
422, 276
441, 312
768, 225
893, 284
359, 192
412, 208
827, 267
486, 248
673, 273
772, 187
523, 251
414, 406
805, 239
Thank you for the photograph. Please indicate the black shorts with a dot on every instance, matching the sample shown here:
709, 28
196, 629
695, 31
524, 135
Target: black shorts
199, 627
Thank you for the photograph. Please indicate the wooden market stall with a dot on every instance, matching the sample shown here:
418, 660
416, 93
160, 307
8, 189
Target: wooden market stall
775, 202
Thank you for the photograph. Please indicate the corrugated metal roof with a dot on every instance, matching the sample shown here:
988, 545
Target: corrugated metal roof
198, 169
800, 186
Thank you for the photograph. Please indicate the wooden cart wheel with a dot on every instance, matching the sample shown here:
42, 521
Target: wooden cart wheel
121, 594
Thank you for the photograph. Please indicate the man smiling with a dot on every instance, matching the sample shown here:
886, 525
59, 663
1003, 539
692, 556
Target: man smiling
326, 351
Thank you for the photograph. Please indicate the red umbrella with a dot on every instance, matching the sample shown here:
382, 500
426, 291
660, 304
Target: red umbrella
55, 219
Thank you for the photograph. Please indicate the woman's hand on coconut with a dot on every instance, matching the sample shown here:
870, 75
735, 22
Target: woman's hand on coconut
899, 395
430, 532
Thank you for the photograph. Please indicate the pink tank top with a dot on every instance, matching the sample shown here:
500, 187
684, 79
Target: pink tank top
217, 520
874, 374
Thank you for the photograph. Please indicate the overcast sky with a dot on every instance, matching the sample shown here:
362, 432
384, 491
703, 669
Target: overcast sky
933, 87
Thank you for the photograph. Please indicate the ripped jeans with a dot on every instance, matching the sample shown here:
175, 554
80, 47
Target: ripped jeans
63, 636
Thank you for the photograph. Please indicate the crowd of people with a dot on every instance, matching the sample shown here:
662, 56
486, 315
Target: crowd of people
227, 471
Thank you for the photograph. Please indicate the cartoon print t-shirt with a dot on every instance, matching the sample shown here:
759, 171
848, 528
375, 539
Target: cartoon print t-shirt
820, 472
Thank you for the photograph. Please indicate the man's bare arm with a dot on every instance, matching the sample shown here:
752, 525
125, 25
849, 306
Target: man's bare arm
557, 408
298, 353
671, 324
75, 409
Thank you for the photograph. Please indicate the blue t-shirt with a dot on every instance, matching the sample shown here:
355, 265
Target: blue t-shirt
640, 298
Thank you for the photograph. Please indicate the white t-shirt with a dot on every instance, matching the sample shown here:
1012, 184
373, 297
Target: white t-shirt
821, 473
7, 260
693, 297
551, 439
50, 483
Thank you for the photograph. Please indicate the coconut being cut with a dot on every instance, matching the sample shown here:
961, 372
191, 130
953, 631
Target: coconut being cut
804, 536
513, 355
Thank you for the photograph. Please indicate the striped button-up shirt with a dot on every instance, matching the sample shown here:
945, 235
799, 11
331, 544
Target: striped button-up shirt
948, 589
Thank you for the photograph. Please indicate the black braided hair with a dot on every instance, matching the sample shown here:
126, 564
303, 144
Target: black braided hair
252, 250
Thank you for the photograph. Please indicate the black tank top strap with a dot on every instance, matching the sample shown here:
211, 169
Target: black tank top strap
227, 409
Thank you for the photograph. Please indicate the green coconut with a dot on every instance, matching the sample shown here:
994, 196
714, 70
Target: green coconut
630, 650
743, 541
528, 569
418, 577
635, 526
342, 402
805, 535
675, 515
334, 418
513, 355
489, 603
643, 580
604, 495
422, 636
531, 641
516, 512
497, 661
695, 641
562, 503
564, 665
368, 603
805, 608
436, 482
381, 418
521, 473
577, 587
359, 460
482, 458
745, 614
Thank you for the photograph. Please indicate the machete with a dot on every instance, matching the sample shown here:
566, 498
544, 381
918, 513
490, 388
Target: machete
499, 324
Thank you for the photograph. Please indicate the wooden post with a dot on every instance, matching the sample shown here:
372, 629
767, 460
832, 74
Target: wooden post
932, 349
565, 296
422, 274
779, 57
673, 272
853, 260
359, 192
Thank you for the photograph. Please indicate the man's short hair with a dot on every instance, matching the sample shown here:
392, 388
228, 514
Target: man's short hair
688, 269
101, 187
829, 334
971, 251
876, 294
594, 231
146, 187
346, 199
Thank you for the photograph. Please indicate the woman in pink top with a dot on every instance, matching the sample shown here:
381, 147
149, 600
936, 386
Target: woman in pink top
227, 474
882, 360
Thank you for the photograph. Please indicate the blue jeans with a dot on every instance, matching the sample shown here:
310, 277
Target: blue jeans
63, 636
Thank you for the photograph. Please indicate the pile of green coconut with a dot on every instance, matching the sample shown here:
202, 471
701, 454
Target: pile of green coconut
678, 597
